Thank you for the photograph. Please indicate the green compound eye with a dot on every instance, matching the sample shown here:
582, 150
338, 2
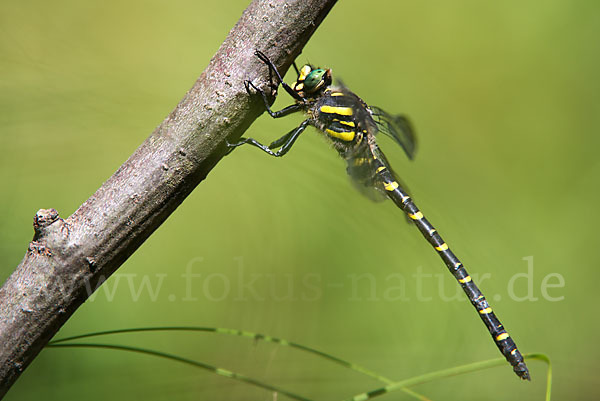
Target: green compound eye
314, 79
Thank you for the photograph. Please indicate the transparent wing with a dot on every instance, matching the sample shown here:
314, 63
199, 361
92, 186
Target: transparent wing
397, 127
362, 171
377, 191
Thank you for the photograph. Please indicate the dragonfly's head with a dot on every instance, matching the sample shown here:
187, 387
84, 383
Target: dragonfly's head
312, 81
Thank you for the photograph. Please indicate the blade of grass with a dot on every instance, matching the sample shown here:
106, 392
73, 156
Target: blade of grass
392, 386
458, 370
201, 365
544, 358
256, 337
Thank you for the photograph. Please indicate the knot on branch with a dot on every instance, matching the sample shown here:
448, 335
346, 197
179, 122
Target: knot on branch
44, 224
43, 218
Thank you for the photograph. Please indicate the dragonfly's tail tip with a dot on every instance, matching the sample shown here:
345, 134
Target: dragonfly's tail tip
522, 371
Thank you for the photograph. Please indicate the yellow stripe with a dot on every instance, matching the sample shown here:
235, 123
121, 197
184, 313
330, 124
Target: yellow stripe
380, 169
390, 186
304, 71
344, 136
299, 86
348, 123
337, 94
514, 351
486, 311
343, 111
464, 280
502, 336
432, 231
416, 216
442, 247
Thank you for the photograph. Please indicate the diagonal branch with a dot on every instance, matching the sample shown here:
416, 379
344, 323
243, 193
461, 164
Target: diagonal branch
68, 259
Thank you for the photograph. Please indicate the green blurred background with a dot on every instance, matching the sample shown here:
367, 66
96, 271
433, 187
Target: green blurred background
505, 99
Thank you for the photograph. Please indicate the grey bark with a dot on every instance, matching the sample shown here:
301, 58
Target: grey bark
68, 259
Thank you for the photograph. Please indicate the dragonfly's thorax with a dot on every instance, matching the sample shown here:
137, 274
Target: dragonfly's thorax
343, 117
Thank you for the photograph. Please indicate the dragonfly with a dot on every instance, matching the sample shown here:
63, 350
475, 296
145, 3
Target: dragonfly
351, 126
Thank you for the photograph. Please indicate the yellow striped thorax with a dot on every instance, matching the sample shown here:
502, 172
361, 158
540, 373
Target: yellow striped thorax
336, 117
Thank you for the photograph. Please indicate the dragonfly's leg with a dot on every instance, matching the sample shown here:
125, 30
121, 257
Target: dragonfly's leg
272, 67
286, 142
296, 68
280, 141
295, 134
275, 114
